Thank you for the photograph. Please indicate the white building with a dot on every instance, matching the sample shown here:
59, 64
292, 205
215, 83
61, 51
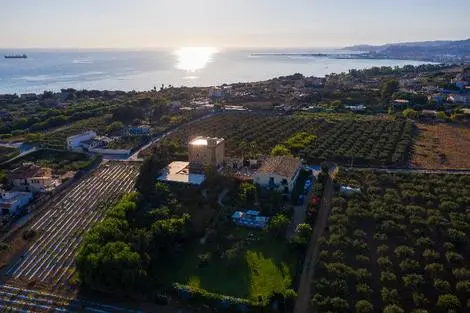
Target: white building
74, 142
356, 108
12, 201
279, 173
30, 177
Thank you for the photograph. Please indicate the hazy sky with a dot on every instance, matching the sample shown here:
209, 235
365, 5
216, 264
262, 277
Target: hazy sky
222, 23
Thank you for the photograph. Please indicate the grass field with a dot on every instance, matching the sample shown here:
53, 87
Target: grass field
261, 267
442, 146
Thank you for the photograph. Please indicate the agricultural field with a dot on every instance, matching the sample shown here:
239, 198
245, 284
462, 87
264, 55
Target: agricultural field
365, 141
13, 299
401, 245
245, 132
442, 146
50, 260
57, 139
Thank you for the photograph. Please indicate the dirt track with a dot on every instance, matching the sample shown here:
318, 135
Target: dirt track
302, 304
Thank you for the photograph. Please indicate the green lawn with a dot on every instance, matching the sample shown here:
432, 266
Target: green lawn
262, 267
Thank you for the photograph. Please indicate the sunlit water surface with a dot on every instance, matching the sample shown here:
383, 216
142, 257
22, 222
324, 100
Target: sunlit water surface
142, 70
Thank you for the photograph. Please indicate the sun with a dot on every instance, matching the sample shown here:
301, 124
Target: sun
191, 59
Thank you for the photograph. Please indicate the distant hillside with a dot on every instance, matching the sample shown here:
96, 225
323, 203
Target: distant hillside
440, 44
443, 50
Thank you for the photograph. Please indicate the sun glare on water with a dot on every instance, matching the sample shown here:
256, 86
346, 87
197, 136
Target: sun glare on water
191, 59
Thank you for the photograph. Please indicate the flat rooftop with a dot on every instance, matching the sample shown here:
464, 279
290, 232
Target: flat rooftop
202, 141
178, 172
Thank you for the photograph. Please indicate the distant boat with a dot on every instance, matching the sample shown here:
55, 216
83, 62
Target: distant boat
16, 56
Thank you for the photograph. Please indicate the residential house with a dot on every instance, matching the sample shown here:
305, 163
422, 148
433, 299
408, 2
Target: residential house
428, 113
279, 173
12, 201
74, 142
30, 177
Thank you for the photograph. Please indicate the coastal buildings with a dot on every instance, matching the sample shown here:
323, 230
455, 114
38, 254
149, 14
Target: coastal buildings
278, 173
32, 178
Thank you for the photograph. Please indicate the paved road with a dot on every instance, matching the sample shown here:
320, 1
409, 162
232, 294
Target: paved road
414, 170
299, 212
22, 154
302, 304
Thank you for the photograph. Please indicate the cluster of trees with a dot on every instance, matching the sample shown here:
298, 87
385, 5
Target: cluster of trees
400, 246
119, 254
394, 71
377, 142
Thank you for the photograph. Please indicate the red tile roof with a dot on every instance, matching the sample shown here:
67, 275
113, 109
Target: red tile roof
29, 171
284, 166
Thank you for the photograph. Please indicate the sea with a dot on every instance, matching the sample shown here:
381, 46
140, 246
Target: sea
145, 69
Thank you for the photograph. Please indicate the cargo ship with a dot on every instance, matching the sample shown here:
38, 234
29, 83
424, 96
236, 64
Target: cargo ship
16, 56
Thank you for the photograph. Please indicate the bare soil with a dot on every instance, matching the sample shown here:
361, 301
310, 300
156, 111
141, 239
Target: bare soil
442, 146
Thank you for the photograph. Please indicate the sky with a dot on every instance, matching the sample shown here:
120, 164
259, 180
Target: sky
142, 24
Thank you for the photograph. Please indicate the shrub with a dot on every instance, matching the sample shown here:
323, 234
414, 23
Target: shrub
404, 251
364, 306
434, 269
441, 285
393, 309
448, 302
390, 295
387, 277
278, 225
461, 273
454, 257
463, 286
413, 280
364, 290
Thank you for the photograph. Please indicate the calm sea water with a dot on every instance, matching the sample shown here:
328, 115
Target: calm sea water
142, 70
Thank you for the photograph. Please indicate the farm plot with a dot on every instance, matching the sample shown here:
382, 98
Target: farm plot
442, 146
247, 132
56, 139
366, 143
50, 259
14, 299
401, 245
